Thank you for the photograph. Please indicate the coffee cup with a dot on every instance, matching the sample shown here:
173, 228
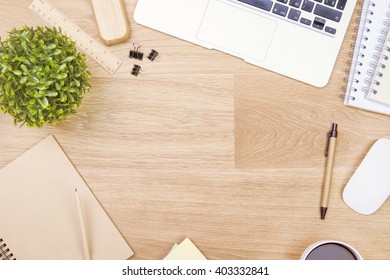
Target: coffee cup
331, 250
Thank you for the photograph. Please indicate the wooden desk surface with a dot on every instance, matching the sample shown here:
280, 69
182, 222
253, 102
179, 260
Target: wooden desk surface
203, 145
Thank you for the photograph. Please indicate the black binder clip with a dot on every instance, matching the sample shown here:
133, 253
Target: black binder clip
136, 52
136, 69
153, 54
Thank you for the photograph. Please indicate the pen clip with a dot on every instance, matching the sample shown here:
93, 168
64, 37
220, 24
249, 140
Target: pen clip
327, 144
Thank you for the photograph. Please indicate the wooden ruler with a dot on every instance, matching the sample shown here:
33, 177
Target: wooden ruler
83, 41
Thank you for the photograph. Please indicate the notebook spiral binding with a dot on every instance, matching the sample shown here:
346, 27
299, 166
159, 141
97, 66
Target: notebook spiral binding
383, 49
361, 35
5, 253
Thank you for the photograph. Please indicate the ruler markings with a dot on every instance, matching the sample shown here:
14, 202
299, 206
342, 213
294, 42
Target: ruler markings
83, 41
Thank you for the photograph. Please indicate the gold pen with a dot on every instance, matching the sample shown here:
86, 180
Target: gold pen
329, 154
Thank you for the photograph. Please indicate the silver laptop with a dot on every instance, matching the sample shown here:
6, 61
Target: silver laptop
296, 38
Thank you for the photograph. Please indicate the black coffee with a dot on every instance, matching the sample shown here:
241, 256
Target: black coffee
331, 251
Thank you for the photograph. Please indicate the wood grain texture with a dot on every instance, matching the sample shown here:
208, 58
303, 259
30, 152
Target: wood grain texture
111, 20
203, 145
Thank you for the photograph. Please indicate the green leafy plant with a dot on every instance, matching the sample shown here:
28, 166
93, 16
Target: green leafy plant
43, 77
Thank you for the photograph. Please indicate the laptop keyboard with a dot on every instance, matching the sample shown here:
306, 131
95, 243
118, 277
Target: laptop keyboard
319, 14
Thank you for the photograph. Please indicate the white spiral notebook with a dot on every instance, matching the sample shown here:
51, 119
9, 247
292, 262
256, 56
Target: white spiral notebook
380, 87
367, 56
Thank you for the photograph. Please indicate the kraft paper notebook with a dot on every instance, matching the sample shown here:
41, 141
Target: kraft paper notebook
39, 218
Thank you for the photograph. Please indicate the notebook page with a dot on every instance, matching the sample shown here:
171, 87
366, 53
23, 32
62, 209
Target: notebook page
374, 13
380, 87
186, 250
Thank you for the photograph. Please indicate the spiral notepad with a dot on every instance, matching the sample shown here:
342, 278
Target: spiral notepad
380, 86
5, 252
366, 56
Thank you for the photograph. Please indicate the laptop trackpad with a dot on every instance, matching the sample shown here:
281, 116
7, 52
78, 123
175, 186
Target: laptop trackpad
235, 30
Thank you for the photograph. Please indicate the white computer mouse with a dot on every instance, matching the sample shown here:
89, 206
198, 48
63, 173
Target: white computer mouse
369, 187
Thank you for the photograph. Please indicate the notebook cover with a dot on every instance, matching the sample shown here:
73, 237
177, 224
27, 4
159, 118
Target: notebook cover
363, 61
381, 86
39, 217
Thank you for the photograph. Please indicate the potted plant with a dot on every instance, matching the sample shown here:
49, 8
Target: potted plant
43, 78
